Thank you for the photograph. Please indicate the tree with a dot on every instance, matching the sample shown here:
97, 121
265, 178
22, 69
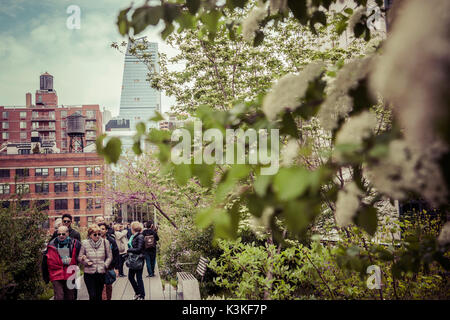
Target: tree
408, 157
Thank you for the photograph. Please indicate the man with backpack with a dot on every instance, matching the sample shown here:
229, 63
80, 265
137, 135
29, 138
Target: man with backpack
151, 238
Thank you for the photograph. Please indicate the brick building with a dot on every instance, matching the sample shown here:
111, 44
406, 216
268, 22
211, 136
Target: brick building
37, 162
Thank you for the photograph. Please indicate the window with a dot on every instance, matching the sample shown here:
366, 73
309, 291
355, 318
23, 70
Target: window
63, 113
90, 203
98, 171
76, 204
89, 187
76, 186
42, 188
25, 204
5, 114
23, 124
60, 187
41, 172
23, 114
76, 172
22, 188
5, 125
5, 135
61, 204
4, 188
90, 220
63, 144
24, 151
35, 114
22, 172
43, 204
4, 173
60, 172
89, 171
96, 186
98, 203
90, 114
23, 135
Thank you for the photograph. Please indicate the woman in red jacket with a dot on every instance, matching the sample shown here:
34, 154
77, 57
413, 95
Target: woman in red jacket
62, 252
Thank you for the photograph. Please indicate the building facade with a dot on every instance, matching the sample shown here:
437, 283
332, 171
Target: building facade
138, 101
37, 163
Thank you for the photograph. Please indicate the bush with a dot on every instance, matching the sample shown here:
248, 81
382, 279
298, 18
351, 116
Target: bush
22, 241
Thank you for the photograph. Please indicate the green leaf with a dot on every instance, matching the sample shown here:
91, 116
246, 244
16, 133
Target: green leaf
210, 19
236, 3
255, 205
137, 148
204, 172
297, 215
289, 183
167, 30
182, 173
299, 9
193, 6
158, 117
367, 219
113, 150
259, 38
140, 128
261, 184
170, 12
358, 29
122, 21
144, 16
348, 11
289, 126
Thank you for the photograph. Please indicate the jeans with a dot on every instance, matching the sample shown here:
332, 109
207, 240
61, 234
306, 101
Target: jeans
120, 263
94, 284
61, 291
150, 260
138, 285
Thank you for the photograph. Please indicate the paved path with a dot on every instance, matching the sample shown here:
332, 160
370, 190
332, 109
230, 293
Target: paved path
122, 289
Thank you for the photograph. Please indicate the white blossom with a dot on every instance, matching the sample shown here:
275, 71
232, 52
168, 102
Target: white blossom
413, 74
357, 128
444, 236
289, 152
338, 103
406, 168
347, 204
289, 90
251, 23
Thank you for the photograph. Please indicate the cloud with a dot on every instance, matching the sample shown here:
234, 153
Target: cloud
86, 69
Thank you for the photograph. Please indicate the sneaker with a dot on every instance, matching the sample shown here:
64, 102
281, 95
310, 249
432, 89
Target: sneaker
136, 297
140, 298
122, 275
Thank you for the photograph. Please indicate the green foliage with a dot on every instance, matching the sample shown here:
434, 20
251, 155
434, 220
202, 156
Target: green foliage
22, 240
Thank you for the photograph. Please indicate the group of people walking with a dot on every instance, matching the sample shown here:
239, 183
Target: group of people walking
102, 256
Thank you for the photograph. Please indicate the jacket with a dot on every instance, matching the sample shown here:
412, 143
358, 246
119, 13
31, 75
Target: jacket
73, 234
122, 241
148, 232
114, 250
101, 257
138, 244
52, 266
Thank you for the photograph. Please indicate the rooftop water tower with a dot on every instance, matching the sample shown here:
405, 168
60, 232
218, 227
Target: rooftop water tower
76, 130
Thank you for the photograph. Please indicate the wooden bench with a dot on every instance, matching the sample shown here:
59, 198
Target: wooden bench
188, 287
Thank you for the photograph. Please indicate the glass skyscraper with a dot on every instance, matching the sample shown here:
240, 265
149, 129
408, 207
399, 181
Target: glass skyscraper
138, 101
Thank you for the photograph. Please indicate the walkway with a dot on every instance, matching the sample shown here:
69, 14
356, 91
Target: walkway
122, 289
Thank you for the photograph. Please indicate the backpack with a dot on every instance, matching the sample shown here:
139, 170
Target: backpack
149, 241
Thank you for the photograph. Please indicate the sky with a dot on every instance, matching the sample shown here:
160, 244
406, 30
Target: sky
86, 70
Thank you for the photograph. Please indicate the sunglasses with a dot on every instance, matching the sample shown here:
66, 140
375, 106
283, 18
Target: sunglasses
66, 221
96, 234
61, 234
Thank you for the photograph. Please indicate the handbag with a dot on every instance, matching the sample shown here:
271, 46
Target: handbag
135, 261
110, 275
